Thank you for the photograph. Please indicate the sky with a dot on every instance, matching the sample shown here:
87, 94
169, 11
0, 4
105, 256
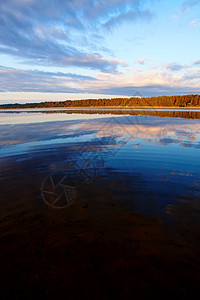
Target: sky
79, 49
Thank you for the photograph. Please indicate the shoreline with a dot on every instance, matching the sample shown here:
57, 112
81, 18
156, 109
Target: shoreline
105, 107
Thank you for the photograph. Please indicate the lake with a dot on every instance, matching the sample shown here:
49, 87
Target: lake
100, 203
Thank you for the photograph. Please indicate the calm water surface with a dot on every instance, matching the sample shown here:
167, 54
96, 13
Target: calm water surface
152, 161
139, 163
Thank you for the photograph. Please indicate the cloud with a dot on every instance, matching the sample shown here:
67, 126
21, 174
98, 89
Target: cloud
131, 15
195, 22
192, 75
64, 32
146, 83
13, 80
197, 62
136, 82
141, 61
104, 10
151, 91
175, 67
42, 50
189, 4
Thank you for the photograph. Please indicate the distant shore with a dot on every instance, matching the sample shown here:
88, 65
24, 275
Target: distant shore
103, 107
184, 101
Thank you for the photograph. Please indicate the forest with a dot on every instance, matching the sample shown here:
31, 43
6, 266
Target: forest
161, 101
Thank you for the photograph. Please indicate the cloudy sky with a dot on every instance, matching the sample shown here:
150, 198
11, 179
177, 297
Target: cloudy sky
71, 49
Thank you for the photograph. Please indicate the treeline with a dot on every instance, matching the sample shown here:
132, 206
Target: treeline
162, 101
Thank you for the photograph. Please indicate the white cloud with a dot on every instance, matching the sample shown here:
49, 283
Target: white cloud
149, 82
195, 22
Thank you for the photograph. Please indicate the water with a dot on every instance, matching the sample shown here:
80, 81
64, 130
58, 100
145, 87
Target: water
93, 171
156, 157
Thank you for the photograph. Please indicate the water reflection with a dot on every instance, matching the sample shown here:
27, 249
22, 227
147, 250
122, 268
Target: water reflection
149, 161
129, 186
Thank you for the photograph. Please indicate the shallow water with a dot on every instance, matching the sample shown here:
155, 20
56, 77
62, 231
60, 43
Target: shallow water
125, 171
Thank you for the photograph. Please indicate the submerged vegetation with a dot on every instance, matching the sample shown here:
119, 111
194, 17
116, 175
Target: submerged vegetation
162, 101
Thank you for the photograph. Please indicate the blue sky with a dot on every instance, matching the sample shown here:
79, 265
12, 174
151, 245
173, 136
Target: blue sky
64, 49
